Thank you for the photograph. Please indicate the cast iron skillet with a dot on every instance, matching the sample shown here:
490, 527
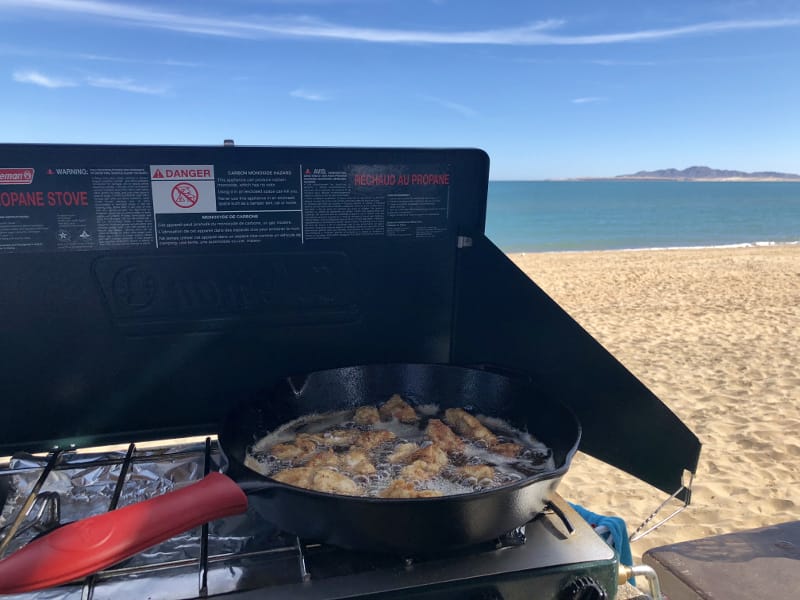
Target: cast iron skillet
402, 526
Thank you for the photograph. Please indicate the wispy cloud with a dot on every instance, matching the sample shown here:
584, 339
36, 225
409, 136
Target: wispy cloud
35, 52
454, 106
693, 60
124, 85
36, 78
309, 95
623, 63
588, 100
539, 33
167, 62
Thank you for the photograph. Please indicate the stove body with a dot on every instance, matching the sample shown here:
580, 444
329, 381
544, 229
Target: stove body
247, 557
147, 290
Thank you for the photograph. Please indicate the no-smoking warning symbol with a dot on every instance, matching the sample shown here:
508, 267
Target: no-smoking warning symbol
185, 195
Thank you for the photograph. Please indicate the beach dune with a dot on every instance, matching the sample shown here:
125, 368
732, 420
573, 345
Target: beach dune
715, 334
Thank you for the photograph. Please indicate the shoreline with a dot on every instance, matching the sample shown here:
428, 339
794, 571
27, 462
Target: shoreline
662, 179
692, 179
764, 244
713, 333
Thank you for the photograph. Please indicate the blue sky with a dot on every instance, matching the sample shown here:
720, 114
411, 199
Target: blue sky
549, 89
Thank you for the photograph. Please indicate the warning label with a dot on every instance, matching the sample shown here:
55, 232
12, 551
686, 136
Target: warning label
259, 189
183, 189
194, 207
46, 214
123, 207
57, 205
225, 229
375, 200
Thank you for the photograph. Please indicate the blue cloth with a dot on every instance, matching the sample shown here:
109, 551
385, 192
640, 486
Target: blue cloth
613, 530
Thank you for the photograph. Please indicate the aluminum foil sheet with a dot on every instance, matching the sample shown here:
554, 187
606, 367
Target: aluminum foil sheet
83, 485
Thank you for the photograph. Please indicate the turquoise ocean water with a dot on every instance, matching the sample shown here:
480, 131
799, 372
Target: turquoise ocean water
542, 216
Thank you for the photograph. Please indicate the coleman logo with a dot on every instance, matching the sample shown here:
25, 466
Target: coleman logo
16, 176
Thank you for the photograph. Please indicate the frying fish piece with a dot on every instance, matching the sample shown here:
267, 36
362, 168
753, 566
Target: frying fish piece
366, 415
468, 426
402, 453
295, 451
419, 470
431, 454
333, 482
333, 438
508, 449
325, 458
405, 489
477, 471
324, 479
370, 439
299, 476
443, 436
356, 461
426, 463
306, 443
286, 451
397, 408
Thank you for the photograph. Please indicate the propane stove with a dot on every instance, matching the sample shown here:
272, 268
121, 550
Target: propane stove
168, 284
557, 555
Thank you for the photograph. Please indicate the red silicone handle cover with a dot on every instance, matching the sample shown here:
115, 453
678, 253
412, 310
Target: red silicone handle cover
83, 547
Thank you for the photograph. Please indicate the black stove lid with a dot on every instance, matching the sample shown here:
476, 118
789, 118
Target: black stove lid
145, 290
503, 318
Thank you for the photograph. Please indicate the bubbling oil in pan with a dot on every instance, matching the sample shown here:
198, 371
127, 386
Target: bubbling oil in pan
533, 456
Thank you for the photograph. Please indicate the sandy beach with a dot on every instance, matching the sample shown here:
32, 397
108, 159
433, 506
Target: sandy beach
715, 334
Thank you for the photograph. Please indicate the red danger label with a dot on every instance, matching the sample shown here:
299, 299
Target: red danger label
187, 173
19, 176
181, 172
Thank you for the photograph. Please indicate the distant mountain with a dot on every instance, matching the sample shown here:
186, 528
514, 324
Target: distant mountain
709, 174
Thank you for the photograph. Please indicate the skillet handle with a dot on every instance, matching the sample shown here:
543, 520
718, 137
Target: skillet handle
89, 545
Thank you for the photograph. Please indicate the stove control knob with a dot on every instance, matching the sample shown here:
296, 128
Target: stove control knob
584, 588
